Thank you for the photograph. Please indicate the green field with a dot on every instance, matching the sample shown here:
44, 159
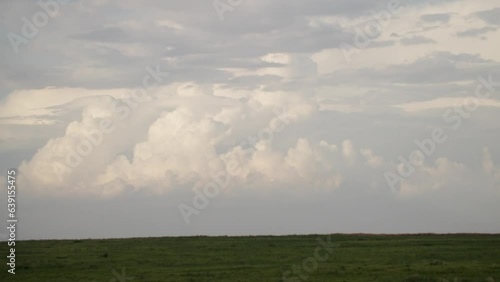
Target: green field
261, 258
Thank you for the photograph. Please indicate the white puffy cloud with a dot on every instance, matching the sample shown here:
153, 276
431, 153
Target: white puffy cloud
348, 151
185, 147
371, 159
442, 174
489, 167
66, 161
180, 148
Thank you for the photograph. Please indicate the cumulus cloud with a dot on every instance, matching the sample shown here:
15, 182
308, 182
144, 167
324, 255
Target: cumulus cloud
184, 147
442, 174
489, 167
181, 142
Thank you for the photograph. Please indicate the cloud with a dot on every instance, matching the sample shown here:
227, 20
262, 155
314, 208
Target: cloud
185, 148
445, 103
46, 103
443, 174
433, 68
491, 16
417, 40
436, 18
182, 139
475, 32
489, 166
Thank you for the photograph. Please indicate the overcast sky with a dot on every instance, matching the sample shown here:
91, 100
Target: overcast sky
163, 118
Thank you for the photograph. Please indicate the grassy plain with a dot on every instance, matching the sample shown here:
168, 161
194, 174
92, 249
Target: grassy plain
410, 258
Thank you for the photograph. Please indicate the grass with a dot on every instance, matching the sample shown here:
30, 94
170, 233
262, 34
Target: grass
384, 258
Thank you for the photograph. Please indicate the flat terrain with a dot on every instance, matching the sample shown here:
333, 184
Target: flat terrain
263, 258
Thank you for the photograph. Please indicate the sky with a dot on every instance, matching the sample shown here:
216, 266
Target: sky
174, 118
